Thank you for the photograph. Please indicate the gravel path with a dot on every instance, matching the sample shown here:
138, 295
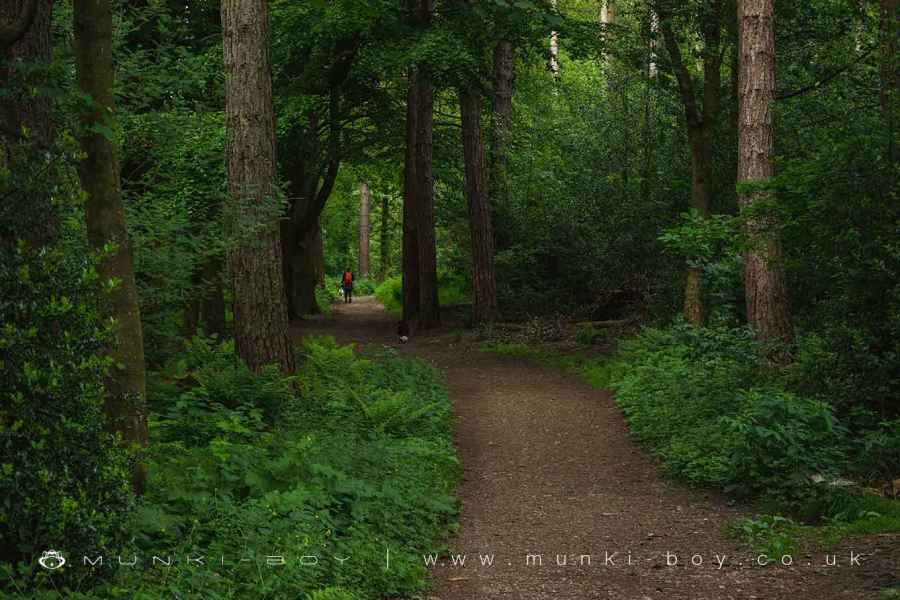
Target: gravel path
559, 498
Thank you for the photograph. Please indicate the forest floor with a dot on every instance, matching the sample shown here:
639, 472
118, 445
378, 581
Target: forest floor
550, 469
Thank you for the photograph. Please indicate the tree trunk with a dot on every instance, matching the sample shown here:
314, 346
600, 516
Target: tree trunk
554, 50
364, 198
260, 307
484, 285
212, 306
410, 232
504, 73
384, 264
105, 219
304, 262
701, 122
767, 302
890, 78
32, 44
429, 308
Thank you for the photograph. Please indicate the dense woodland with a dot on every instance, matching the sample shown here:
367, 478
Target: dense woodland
184, 182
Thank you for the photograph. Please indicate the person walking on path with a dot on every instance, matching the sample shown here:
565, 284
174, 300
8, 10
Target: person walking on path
347, 285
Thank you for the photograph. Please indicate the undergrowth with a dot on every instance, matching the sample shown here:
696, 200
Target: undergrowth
451, 291
339, 469
707, 403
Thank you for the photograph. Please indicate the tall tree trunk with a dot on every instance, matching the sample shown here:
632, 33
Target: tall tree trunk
701, 121
384, 263
429, 308
26, 36
212, 306
767, 302
364, 198
890, 78
484, 284
504, 74
554, 50
410, 230
654, 32
260, 307
304, 263
105, 219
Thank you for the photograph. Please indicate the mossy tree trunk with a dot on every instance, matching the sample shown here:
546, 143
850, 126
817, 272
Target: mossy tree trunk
105, 218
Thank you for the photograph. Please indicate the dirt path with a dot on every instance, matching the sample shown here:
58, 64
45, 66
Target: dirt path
550, 470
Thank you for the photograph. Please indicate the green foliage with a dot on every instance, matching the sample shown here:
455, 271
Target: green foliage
65, 483
350, 458
452, 290
784, 442
390, 294
772, 535
705, 401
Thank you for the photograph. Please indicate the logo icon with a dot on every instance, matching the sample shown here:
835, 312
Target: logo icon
51, 559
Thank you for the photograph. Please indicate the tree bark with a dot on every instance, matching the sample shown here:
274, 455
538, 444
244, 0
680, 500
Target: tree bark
423, 184
384, 264
410, 229
364, 198
28, 39
504, 74
484, 285
767, 302
890, 78
429, 308
212, 305
701, 121
554, 50
19, 15
305, 271
105, 219
255, 266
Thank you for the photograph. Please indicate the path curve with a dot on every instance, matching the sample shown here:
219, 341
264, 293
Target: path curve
550, 469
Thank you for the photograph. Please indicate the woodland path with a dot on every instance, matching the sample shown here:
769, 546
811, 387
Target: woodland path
550, 469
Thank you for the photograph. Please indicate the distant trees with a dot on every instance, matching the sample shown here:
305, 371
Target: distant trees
105, 218
260, 307
767, 303
364, 200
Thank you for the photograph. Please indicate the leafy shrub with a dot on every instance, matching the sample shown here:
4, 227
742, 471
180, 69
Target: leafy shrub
451, 291
349, 459
785, 443
390, 294
64, 480
705, 402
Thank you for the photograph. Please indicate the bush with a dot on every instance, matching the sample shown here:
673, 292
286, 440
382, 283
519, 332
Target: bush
350, 458
64, 481
704, 401
451, 291
390, 294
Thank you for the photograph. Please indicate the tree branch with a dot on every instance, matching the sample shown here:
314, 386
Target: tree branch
682, 75
827, 79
